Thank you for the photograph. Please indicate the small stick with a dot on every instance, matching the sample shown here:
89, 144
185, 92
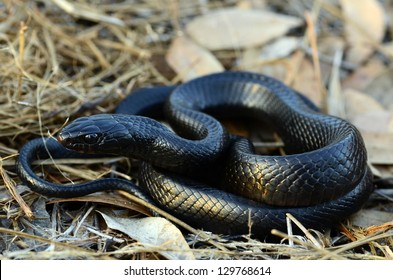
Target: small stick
304, 230
22, 42
311, 34
11, 187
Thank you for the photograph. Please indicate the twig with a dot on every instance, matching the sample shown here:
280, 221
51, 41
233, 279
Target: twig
11, 187
312, 37
304, 230
22, 29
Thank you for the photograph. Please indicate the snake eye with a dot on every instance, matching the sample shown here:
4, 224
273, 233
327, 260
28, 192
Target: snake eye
91, 138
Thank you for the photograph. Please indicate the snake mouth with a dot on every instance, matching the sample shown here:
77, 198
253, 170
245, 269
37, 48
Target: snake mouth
62, 139
69, 142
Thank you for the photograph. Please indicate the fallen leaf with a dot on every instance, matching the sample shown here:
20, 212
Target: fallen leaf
371, 217
233, 28
5, 195
153, 232
379, 147
328, 45
189, 60
364, 75
280, 48
387, 49
358, 103
364, 27
381, 89
376, 122
250, 61
305, 80
42, 221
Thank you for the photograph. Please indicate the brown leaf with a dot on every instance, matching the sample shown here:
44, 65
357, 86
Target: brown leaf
364, 75
189, 60
371, 217
280, 48
358, 103
374, 122
328, 45
381, 89
154, 232
379, 147
233, 28
305, 80
364, 26
387, 49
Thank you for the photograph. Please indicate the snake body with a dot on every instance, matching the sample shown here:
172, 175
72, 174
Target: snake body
322, 179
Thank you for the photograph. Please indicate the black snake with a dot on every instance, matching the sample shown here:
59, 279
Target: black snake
214, 180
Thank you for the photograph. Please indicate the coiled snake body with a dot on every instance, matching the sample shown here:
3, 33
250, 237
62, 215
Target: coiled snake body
323, 178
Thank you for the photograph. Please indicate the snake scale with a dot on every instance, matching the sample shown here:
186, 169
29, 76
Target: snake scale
209, 178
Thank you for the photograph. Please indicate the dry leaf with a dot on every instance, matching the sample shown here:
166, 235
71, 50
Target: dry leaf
379, 147
233, 28
252, 4
387, 49
278, 49
375, 122
250, 61
358, 103
370, 217
364, 26
154, 232
328, 45
5, 195
189, 60
364, 75
381, 89
305, 80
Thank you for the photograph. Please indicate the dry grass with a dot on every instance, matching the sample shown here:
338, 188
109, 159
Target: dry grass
61, 60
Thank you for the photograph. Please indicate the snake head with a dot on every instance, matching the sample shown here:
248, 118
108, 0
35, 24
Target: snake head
92, 134
116, 134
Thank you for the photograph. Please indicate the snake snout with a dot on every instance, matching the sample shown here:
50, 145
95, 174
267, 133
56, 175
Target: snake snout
81, 135
82, 143
62, 138
66, 139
